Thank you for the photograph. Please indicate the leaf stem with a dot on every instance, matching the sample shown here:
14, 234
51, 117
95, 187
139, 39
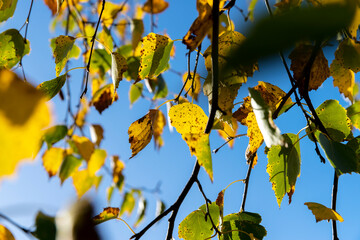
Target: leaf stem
333, 205
118, 218
73, 69
247, 179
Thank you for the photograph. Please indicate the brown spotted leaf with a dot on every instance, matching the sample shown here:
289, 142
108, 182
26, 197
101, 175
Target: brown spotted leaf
106, 215
104, 97
118, 67
62, 50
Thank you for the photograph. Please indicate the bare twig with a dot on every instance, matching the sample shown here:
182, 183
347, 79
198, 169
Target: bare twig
247, 179
25, 230
333, 205
187, 78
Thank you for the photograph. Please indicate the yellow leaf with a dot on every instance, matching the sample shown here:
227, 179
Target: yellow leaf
52, 4
140, 133
155, 6
139, 13
323, 213
158, 123
348, 54
118, 67
121, 28
190, 121
84, 146
319, 71
97, 160
111, 11
52, 160
229, 131
117, 167
107, 214
82, 182
80, 117
23, 116
104, 97
97, 134
5, 234
344, 79
193, 85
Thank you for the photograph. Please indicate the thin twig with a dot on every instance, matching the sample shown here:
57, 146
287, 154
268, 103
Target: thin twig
187, 78
25, 230
247, 179
333, 205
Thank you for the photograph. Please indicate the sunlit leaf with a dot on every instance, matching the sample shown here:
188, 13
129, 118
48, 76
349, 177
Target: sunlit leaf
96, 161
106, 215
333, 117
342, 157
80, 117
353, 113
52, 5
82, 182
193, 85
52, 87
135, 92
117, 167
7, 9
68, 167
344, 79
158, 124
348, 55
323, 213
104, 97
155, 6
52, 160
194, 226
160, 207
118, 67
84, 146
12, 48
284, 166
128, 204
109, 193
106, 38
190, 121
141, 211
23, 116
61, 46
54, 134
5, 233
229, 131
45, 227
155, 55
100, 62
96, 134
111, 11
160, 87
133, 64
319, 70
137, 30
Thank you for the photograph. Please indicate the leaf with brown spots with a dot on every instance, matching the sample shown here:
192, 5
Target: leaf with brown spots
190, 121
155, 6
61, 51
106, 215
104, 97
319, 71
117, 167
118, 67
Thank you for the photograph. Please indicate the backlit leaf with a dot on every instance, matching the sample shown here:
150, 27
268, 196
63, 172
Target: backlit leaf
118, 67
62, 46
106, 215
344, 79
319, 70
135, 92
106, 38
5, 233
97, 160
52, 87
52, 4
96, 134
342, 157
12, 48
284, 166
155, 55
353, 113
323, 213
158, 124
52, 160
7, 9
100, 62
141, 211
54, 134
194, 225
104, 97
159, 84
229, 131
160, 207
348, 55
84, 109
333, 117
133, 64
155, 6
190, 121
137, 30
193, 85
45, 227
117, 167
82, 182
128, 204
68, 167
23, 116
84, 146
111, 11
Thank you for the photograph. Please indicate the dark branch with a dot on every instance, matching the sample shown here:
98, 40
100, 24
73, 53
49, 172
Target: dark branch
333, 205
247, 179
187, 78
27, 231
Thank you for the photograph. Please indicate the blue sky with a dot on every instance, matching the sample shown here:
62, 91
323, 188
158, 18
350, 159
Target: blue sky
31, 190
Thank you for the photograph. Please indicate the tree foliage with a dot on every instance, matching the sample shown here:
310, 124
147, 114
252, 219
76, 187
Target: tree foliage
115, 47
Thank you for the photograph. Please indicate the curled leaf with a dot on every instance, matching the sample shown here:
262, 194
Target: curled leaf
52, 87
118, 67
106, 215
323, 213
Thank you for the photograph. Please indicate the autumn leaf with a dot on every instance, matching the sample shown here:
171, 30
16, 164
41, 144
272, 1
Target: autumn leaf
61, 50
229, 131
190, 121
7, 10
135, 92
96, 134
158, 123
117, 167
106, 39
82, 182
348, 55
118, 67
128, 204
52, 87
80, 118
319, 70
142, 204
68, 167
353, 113
84, 146
5, 233
344, 79
323, 213
155, 6
137, 30
111, 11
23, 116
97, 160
104, 97
193, 84
45, 226
54, 134
155, 55
52, 160
106, 215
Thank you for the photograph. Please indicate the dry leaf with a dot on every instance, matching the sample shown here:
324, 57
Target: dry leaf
52, 160
323, 213
155, 6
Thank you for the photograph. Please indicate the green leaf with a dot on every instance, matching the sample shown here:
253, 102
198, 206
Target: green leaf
137, 28
155, 55
45, 227
333, 117
100, 62
195, 227
118, 67
348, 54
284, 166
128, 204
68, 167
133, 64
141, 211
54, 134
242, 226
342, 157
269, 130
106, 215
126, 51
12, 48
275, 33
61, 46
52, 87
161, 90
7, 9
135, 92
106, 38
353, 112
